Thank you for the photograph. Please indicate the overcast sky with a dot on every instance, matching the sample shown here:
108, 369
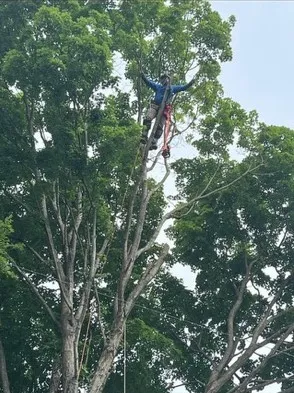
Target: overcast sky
261, 74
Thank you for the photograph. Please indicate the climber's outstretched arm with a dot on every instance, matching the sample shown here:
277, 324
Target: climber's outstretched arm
178, 88
153, 85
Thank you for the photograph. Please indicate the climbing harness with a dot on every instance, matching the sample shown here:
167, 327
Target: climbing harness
167, 115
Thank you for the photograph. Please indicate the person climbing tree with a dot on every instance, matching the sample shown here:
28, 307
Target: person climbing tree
152, 112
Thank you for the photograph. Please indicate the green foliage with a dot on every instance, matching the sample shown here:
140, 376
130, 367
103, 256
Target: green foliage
28, 337
69, 135
60, 55
178, 36
5, 233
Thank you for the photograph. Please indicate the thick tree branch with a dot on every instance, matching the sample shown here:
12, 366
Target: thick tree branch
147, 276
231, 319
216, 381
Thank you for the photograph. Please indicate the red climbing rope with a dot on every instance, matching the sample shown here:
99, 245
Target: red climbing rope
167, 114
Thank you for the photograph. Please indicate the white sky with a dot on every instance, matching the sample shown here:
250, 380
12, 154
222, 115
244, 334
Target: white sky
261, 74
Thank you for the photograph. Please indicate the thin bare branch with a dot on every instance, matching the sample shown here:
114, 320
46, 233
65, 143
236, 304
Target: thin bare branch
75, 228
37, 255
89, 279
264, 319
263, 384
36, 292
139, 228
139, 180
210, 181
86, 252
58, 267
271, 338
99, 314
225, 186
283, 238
155, 161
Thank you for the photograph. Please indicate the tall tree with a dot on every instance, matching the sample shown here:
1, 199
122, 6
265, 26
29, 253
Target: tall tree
78, 190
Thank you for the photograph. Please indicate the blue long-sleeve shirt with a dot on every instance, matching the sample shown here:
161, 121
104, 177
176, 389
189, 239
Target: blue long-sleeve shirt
160, 89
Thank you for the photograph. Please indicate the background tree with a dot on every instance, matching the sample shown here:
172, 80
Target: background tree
240, 246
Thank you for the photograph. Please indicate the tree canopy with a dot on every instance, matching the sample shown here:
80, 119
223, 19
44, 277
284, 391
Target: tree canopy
88, 301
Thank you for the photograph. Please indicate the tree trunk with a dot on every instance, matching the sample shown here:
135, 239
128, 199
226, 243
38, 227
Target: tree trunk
3, 370
69, 351
106, 359
55, 377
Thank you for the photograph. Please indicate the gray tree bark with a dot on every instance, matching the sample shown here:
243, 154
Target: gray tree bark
3, 370
55, 377
69, 352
